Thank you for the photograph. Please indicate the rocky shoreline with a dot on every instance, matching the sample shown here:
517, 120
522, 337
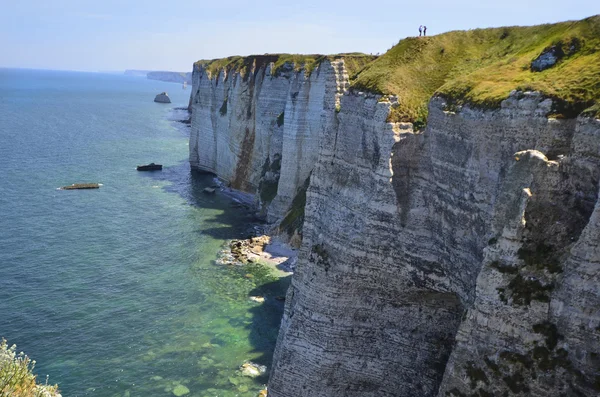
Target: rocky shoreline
260, 248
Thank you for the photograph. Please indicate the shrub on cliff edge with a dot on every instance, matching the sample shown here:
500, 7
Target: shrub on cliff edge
16, 375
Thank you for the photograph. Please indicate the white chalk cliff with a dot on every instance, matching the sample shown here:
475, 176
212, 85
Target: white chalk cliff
261, 130
463, 242
461, 260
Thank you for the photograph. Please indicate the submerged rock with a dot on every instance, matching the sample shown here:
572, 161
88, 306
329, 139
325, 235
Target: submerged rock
234, 381
163, 97
180, 390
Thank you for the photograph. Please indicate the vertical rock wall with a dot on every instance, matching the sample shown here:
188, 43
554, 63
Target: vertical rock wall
260, 130
534, 328
405, 233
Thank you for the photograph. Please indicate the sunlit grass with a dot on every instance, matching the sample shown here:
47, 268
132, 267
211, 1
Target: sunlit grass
480, 66
483, 66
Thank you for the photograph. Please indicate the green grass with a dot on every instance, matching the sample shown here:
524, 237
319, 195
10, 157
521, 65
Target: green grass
482, 66
354, 62
16, 375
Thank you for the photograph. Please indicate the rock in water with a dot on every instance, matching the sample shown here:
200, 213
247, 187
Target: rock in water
180, 390
81, 186
252, 370
163, 97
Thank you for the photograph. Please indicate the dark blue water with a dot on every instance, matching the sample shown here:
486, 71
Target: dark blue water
115, 292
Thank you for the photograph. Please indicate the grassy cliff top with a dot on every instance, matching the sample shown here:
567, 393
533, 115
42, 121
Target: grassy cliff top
354, 62
483, 66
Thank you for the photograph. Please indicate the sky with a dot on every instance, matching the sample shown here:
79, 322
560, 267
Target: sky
114, 35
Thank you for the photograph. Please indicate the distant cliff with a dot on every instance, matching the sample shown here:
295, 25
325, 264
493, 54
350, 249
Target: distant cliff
138, 73
446, 197
171, 77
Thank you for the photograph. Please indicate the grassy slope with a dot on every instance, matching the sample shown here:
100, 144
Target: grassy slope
482, 66
354, 62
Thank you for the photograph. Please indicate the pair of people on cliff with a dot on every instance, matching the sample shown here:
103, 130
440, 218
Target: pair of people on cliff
423, 30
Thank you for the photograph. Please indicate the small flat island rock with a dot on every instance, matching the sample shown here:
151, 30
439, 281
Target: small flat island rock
82, 186
163, 97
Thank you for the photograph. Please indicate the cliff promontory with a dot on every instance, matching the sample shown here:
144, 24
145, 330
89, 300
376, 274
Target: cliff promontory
258, 122
170, 77
446, 196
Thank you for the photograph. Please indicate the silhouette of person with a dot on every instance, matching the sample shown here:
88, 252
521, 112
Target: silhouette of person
420, 30
424, 30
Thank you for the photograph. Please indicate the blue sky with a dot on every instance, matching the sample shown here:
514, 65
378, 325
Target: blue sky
111, 35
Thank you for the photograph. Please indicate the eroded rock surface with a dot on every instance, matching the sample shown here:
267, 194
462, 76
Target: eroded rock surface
458, 261
261, 130
534, 328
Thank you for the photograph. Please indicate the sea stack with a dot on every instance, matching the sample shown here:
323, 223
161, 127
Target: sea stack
163, 97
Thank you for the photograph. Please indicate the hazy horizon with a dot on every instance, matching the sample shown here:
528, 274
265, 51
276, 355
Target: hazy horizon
111, 37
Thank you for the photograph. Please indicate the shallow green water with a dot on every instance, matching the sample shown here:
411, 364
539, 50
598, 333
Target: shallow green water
115, 292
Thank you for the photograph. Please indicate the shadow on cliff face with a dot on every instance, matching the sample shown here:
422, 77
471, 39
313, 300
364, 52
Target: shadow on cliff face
237, 216
406, 155
266, 319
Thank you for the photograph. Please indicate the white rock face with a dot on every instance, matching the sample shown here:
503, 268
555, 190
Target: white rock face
460, 261
534, 327
163, 97
405, 231
261, 132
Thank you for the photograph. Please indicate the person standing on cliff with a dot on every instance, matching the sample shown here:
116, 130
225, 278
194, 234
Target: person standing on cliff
424, 30
420, 30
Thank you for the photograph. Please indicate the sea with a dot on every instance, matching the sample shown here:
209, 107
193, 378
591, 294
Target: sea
117, 291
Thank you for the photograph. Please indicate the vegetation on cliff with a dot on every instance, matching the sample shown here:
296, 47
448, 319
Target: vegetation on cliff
482, 66
354, 63
16, 375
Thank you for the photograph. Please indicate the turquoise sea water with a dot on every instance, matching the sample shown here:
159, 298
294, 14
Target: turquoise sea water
115, 292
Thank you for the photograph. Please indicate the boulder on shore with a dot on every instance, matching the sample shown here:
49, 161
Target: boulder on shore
252, 370
163, 97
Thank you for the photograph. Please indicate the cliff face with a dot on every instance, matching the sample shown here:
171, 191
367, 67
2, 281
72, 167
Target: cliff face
534, 327
260, 129
424, 247
460, 260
